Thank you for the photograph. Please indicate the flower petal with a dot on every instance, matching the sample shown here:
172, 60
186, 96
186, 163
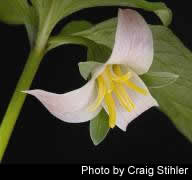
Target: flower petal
133, 42
142, 103
69, 107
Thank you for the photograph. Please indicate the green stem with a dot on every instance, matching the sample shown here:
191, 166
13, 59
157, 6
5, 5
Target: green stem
18, 97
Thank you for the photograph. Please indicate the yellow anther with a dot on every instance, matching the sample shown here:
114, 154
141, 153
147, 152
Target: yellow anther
111, 109
123, 98
101, 94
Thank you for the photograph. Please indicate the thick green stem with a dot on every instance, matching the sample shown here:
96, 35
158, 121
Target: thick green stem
18, 97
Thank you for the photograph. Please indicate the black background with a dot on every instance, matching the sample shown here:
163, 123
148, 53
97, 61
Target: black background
41, 138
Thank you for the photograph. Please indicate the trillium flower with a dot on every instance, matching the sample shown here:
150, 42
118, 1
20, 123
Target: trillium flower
115, 85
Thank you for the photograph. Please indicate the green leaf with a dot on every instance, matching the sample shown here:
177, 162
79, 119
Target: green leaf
43, 15
13, 11
99, 127
66, 35
98, 53
20, 12
165, 16
71, 34
86, 68
102, 33
160, 9
159, 79
50, 12
60, 40
175, 99
76, 26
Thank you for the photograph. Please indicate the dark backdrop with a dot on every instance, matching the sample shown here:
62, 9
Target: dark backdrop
41, 138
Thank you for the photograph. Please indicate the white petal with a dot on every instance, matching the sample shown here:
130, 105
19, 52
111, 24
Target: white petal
141, 102
69, 107
133, 42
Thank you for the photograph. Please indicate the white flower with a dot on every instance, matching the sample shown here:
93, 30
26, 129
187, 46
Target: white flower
115, 85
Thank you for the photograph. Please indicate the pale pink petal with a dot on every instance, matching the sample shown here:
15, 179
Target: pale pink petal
133, 42
69, 107
141, 102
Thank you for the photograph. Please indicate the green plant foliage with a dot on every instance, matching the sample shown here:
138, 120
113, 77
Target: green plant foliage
86, 68
51, 11
99, 127
13, 11
159, 79
43, 15
76, 27
175, 99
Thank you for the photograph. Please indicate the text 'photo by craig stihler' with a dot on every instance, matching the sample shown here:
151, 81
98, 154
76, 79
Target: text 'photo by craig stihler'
132, 170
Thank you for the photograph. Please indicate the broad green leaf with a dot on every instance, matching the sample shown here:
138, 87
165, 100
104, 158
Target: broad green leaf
45, 14
102, 33
50, 12
160, 9
13, 11
175, 99
86, 68
165, 16
76, 26
66, 35
71, 34
99, 127
159, 79
98, 53
56, 41
20, 12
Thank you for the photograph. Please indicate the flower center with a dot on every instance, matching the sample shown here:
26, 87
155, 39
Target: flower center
111, 82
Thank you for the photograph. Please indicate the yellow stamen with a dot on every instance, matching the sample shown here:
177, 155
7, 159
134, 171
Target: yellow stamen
129, 84
108, 81
123, 98
111, 109
101, 94
113, 80
133, 86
